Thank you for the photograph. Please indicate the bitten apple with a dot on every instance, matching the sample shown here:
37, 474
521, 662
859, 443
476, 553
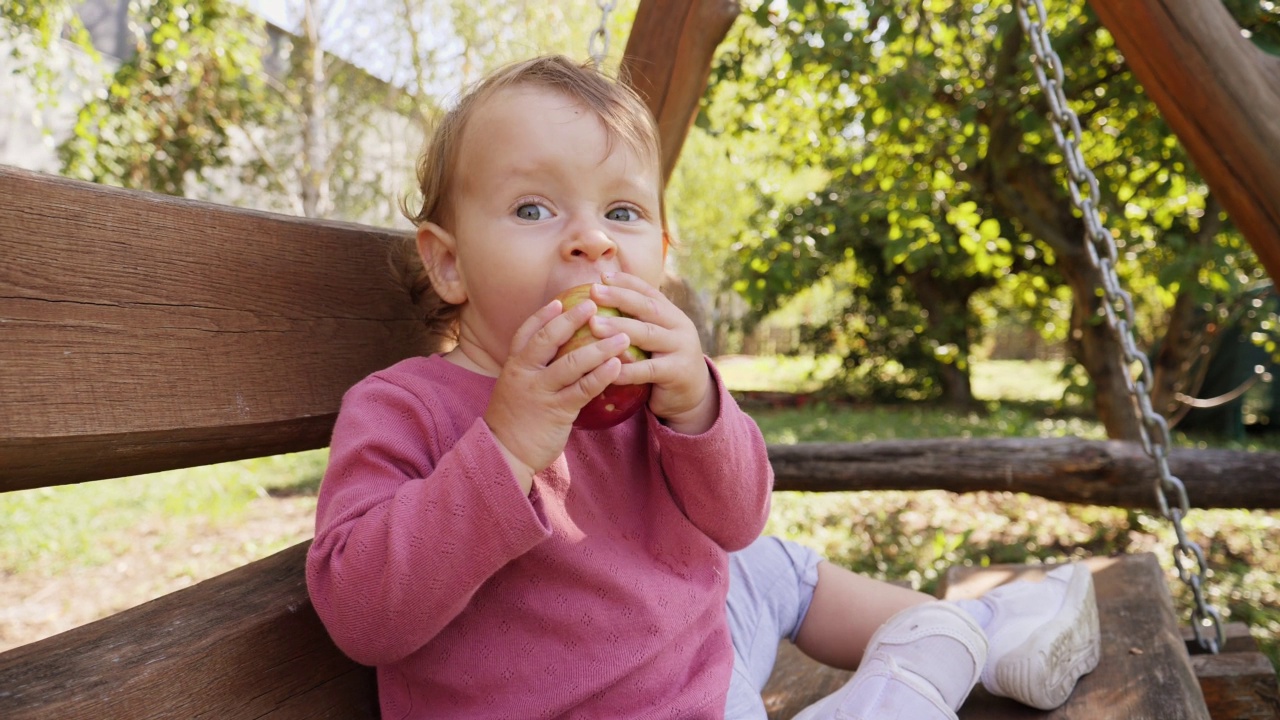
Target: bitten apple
617, 402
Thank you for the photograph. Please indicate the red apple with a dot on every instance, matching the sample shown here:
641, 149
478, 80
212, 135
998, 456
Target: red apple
617, 402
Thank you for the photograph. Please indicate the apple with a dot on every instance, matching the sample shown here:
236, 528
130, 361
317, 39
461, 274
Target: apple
616, 402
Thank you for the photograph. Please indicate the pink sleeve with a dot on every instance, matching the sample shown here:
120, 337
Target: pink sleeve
402, 542
722, 478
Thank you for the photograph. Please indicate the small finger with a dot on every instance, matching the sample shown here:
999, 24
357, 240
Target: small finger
546, 341
646, 336
587, 359
641, 372
643, 302
593, 383
628, 281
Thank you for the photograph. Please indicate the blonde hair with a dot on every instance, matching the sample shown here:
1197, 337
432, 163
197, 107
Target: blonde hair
623, 112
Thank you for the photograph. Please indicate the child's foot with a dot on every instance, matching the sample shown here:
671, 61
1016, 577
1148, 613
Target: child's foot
920, 665
1043, 636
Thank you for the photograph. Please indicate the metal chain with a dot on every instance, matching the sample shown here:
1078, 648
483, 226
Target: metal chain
598, 43
1171, 494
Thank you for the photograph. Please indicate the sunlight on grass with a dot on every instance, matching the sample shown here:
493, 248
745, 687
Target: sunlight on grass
91, 523
1027, 381
821, 423
1024, 381
776, 372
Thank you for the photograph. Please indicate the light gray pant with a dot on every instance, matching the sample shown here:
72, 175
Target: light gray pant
770, 587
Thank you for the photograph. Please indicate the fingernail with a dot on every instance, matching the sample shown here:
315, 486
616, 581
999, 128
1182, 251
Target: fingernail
608, 276
601, 289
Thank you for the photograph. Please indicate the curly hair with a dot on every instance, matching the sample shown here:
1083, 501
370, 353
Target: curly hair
623, 112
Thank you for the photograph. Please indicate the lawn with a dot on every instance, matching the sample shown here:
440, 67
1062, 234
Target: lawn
71, 554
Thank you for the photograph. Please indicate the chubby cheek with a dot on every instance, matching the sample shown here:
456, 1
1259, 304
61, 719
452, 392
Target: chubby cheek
646, 264
501, 312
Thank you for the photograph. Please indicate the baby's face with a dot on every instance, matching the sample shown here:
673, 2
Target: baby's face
543, 200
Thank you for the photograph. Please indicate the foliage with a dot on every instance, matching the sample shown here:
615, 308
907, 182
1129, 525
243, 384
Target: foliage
943, 201
172, 109
34, 28
1260, 20
195, 111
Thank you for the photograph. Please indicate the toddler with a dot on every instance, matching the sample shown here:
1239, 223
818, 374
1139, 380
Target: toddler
490, 560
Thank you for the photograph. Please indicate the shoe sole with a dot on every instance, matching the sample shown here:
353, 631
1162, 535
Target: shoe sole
1042, 671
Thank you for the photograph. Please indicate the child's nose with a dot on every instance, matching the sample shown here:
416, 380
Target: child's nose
589, 241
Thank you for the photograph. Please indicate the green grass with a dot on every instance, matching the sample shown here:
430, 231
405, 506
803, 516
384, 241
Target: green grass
784, 374
56, 529
1030, 381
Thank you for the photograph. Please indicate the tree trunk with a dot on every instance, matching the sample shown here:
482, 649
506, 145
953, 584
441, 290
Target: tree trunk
1185, 347
668, 61
315, 145
946, 310
1093, 472
1095, 346
1173, 365
1023, 188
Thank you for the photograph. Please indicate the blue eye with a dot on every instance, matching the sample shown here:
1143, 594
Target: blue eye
622, 214
532, 211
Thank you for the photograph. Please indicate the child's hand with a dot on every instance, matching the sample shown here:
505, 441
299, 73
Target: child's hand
535, 400
682, 393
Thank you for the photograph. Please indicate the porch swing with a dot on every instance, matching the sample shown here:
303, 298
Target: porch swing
136, 351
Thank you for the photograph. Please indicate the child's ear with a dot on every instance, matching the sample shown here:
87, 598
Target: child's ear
439, 252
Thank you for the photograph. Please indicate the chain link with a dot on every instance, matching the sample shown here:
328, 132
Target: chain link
1171, 493
598, 43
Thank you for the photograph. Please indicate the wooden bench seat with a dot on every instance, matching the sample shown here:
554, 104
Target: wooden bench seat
1144, 671
247, 644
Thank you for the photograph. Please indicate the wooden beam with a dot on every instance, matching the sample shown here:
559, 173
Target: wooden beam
1238, 682
1238, 685
668, 60
143, 332
1220, 94
1093, 472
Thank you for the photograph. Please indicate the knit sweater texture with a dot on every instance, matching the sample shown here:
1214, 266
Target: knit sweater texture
599, 594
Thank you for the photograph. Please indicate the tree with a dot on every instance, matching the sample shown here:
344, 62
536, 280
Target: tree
943, 179
172, 109
33, 29
194, 112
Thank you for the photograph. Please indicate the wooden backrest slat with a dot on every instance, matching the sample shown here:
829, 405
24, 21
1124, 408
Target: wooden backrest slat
143, 332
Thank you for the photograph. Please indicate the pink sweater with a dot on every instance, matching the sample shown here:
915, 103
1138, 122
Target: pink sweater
601, 594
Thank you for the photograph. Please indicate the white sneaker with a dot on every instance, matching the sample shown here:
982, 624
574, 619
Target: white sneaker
896, 680
1043, 636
